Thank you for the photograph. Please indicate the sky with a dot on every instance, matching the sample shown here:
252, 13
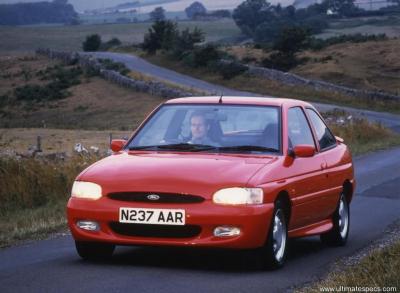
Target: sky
179, 5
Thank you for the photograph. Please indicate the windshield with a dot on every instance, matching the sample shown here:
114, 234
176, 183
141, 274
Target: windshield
212, 128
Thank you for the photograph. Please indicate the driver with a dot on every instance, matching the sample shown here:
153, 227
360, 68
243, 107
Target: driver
199, 127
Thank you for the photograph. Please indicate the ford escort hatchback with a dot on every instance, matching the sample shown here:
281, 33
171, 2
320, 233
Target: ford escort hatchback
225, 172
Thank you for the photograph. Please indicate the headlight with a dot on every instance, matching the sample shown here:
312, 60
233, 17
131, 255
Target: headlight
237, 195
87, 190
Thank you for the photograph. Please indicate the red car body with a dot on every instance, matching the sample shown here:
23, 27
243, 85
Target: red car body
311, 183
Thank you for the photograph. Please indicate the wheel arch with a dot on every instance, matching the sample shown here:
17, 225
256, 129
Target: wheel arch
284, 197
348, 190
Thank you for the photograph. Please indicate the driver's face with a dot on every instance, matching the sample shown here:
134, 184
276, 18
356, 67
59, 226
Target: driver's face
198, 127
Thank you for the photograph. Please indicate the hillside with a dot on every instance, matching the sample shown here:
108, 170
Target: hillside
91, 104
371, 65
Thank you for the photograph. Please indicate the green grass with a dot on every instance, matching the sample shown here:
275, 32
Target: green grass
379, 269
70, 38
273, 88
33, 196
32, 224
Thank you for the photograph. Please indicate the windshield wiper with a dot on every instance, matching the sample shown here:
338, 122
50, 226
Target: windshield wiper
187, 147
175, 146
143, 147
249, 148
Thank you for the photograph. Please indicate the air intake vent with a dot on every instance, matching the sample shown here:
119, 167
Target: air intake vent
155, 197
159, 231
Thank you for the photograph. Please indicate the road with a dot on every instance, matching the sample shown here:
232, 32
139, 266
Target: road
53, 265
138, 64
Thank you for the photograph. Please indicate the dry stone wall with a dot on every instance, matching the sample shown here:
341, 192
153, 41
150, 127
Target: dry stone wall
318, 85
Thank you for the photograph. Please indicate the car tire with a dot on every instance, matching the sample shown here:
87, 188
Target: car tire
277, 242
94, 250
338, 235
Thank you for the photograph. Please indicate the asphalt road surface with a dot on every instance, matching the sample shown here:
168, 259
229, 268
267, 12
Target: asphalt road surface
140, 65
53, 265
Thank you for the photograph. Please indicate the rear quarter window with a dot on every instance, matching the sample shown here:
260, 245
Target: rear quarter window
324, 136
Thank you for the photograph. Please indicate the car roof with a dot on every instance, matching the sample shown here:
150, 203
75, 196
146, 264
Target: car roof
265, 100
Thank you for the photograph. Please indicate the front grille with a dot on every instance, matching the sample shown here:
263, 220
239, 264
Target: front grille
163, 197
161, 231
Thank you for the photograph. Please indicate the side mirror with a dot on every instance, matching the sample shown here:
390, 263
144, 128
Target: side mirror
304, 151
339, 139
117, 144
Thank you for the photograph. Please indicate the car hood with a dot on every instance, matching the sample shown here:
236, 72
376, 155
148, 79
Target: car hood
186, 173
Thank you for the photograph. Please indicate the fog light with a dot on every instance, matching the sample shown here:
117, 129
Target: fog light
88, 225
226, 231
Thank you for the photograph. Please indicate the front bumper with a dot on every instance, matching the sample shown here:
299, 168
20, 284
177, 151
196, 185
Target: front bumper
253, 221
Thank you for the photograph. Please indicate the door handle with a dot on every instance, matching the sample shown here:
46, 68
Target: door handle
324, 166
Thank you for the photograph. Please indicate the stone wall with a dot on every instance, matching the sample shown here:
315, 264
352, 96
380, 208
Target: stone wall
152, 87
318, 85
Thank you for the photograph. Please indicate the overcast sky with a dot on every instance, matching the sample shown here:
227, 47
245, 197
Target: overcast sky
179, 5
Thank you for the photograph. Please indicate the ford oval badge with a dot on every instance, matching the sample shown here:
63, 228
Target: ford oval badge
153, 197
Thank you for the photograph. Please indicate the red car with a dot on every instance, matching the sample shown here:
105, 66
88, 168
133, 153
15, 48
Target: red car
226, 172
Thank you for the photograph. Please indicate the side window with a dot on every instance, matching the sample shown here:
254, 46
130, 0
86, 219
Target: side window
298, 128
324, 135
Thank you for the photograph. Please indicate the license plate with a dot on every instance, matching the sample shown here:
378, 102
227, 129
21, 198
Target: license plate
152, 216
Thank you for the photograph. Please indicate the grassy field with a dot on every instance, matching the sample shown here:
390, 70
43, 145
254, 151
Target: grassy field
69, 38
53, 140
267, 87
93, 104
373, 65
389, 25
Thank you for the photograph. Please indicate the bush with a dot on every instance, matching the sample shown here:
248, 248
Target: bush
60, 80
229, 70
281, 61
203, 56
114, 42
318, 44
92, 43
4, 100
116, 66
37, 93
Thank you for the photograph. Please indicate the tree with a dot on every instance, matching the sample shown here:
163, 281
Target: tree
195, 9
39, 12
161, 35
288, 42
250, 14
223, 13
343, 7
92, 43
157, 14
292, 39
185, 41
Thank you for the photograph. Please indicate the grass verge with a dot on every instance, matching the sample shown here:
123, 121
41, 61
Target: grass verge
359, 134
262, 86
379, 269
33, 196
